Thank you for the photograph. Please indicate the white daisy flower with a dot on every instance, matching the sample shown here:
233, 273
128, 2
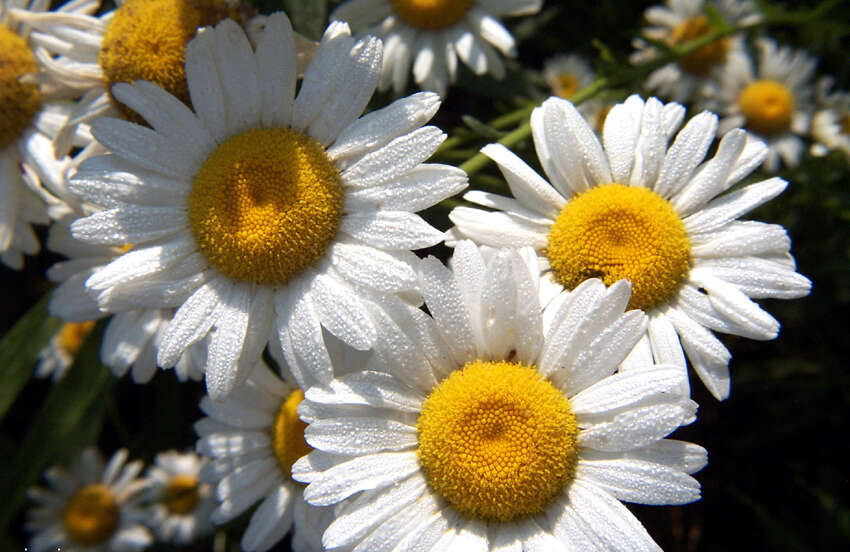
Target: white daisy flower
566, 75
263, 214
139, 40
180, 505
90, 508
430, 36
655, 215
774, 101
59, 353
681, 21
29, 117
131, 337
252, 439
483, 431
831, 123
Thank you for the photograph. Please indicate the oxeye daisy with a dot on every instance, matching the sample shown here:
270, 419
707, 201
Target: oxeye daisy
180, 505
90, 508
252, 439
569, 73
655, 215
431, 35
139, 40
264, 213
29, 117
130, 338
831, 122
481, 431
773, 101
678, 22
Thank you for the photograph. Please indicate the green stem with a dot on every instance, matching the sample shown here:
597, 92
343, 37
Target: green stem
479, 160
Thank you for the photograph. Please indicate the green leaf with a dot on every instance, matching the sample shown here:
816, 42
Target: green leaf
68, 420
19, 350
481, 128
308, 18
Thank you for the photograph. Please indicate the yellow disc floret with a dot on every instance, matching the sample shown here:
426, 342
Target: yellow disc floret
91, 515
431, 14
19, 102
181, 494
701, 61
265, 205
146, 39
72, 335
288, 441
614, 232
566, 84
497, 441
768, 106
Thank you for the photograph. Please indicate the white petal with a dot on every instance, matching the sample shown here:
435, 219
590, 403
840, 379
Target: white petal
639, 481
394, 159
388, 271
422, 187
238, 73
276, 67
447, 308
144, 147
191, 322
620, 136
625, 389
360, 435
108, 181
130, 225
639, 426
376, 389
650, 147
732, 205
713, 177
360, 474
687, 151
231, 326
205, 89
393, 230
300, 333
526, 185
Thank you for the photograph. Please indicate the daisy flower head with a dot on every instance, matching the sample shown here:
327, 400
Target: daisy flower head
831, 122
431, 35
484, 431
90, 508
252, 439
680, 21
772, 100
264, 213
635, 207
130, 338
28, 117
180, 504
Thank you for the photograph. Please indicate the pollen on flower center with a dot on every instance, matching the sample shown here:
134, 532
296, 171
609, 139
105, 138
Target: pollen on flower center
768, 106
614, 232
566, 85
265, 205
91, 515
146, 40
72, 335
497, 441
19, 102
701, 61
431, 14
287, 435
181, 494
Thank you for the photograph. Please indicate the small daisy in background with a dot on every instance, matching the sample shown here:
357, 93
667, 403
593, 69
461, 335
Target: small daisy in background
430, 36
566, 74
633, 207
59, 354
485, 431
90, 508
31, 113
772, 100
831, 122
264, 214
252, 439
680, 21
180, 505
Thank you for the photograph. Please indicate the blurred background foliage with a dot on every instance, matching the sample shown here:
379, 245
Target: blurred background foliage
777, 478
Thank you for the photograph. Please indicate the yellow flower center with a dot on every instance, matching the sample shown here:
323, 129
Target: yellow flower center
497, 441
700, 61
91, 515
72, 335
768, 106
431, 14
265, 205
614, 232
566, 84
181, 494
146, 40
18, 102
288, 441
